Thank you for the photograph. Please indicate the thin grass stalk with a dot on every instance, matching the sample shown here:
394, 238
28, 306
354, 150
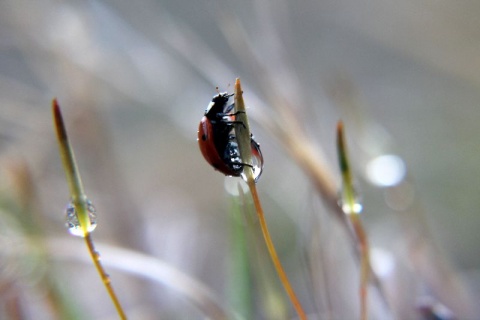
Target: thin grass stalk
352, 210
240, 281
107, 282
273, 301
148, 268
243, 138
79, 200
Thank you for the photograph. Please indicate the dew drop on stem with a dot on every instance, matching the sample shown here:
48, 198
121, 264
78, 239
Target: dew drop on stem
348, 206
73, 225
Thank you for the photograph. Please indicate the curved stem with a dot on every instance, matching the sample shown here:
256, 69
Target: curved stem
273, 253
105, 277
243, 139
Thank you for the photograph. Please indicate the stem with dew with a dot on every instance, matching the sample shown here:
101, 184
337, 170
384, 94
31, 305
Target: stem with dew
353, 213
242, 134
79, 200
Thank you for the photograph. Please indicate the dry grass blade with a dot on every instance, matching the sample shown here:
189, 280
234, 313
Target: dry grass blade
243, 137
352, 209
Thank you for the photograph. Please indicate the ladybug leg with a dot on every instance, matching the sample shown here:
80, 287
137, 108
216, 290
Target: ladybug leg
238, 122
228, 114
235, 113
230, 123
241, 164
248, 165
234, 152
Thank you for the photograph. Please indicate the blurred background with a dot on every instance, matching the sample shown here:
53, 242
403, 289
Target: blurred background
133, 80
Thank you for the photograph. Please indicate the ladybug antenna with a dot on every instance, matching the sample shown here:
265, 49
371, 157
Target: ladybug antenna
232, 94
224, 94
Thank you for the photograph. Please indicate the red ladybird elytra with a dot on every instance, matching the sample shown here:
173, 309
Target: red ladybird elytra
217, 142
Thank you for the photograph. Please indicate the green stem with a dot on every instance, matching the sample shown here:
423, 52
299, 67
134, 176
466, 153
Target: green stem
80, 201
239, 286
74, 181
105, 277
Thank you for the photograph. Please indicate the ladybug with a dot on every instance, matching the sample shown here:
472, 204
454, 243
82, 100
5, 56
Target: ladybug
217, 141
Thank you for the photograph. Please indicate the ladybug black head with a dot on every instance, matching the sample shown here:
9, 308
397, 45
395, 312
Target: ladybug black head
222, 97
217, 105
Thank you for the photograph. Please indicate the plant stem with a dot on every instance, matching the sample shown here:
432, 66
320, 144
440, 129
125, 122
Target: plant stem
71, 170
240, 283
364, 263
273, 253
352, 210
80, 200
243, 139
104, 276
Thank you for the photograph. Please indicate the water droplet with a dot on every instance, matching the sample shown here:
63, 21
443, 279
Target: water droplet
349, 207
257, 160
232, 153
356, 208
72, 220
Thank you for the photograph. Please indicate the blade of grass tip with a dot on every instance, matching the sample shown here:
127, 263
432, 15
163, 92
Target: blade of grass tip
79, 200
71, 171
242, 134
352, 209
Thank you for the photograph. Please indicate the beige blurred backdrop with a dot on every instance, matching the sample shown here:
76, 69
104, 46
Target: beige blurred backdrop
134, 78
